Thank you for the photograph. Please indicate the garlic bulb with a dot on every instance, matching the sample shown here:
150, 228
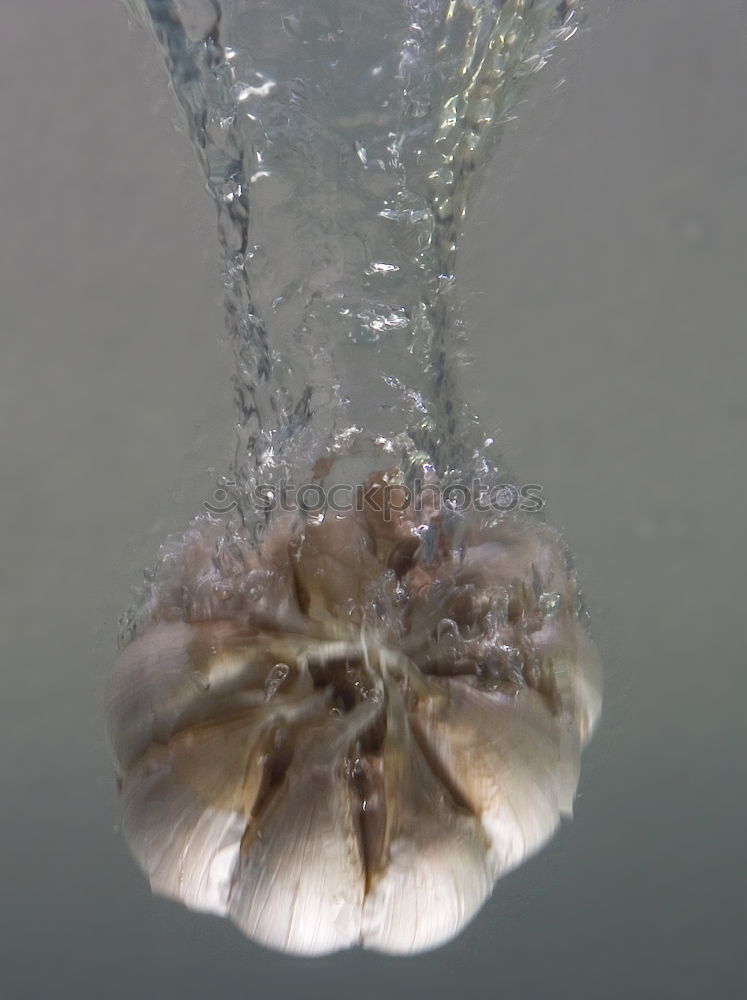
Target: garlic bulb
380, 725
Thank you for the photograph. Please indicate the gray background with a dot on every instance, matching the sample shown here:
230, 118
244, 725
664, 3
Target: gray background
605, 271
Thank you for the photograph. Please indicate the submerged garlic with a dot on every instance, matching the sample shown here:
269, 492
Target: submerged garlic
371, 789
344, 734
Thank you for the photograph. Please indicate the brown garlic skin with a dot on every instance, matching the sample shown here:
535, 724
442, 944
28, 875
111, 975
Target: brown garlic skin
346, 736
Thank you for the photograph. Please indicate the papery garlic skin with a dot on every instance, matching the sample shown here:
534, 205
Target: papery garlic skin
346, 754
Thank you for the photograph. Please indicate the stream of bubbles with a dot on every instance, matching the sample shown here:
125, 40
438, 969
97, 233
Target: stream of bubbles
340, 142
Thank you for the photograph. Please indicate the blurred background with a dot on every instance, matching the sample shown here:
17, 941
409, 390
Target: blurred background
605, 275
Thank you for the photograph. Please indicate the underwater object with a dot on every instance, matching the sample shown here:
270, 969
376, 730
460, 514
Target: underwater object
337, 719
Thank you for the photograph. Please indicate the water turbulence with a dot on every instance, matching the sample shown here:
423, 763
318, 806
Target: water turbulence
338, 721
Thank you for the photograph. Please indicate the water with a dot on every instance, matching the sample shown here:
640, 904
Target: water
423, 737
115, 403
339, 142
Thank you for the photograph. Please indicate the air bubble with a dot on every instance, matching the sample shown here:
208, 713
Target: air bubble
548, 604
276, 678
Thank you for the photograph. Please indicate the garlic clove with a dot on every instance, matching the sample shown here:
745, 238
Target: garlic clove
300, 882
334, 560
514, 762
430, 871
577, 672
186, 806
177, 674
